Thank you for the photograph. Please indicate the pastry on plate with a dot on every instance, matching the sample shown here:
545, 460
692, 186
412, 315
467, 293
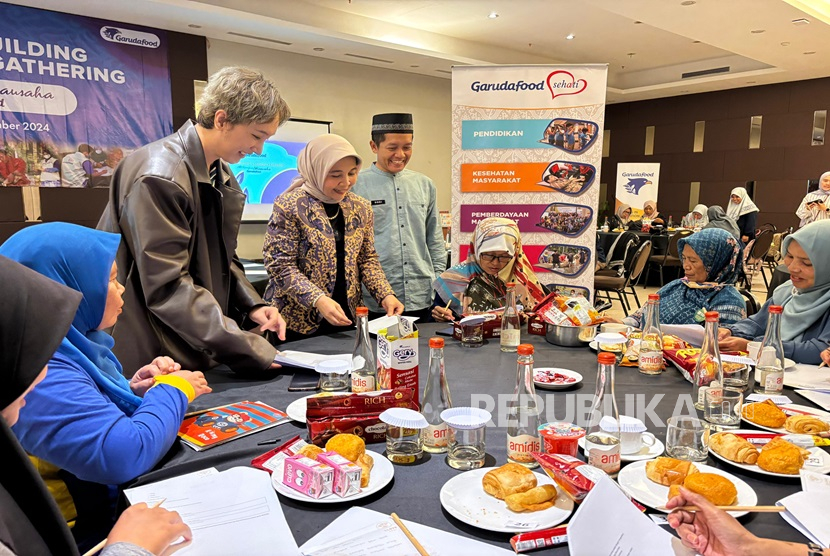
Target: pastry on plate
311, 451
780, 456
718, 490
669, 471
510, 478
350, 446
764, 413
805, 424
533, 500
733, 447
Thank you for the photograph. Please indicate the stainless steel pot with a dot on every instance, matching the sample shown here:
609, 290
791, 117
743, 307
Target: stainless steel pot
570, 336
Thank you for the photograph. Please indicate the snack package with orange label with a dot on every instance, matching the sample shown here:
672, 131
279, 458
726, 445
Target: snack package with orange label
685, 360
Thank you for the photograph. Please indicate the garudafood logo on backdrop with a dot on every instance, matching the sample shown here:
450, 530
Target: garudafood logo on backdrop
129, 37
559, 83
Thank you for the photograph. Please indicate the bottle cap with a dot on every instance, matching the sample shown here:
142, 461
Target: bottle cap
525, 349
362, 311
511, 284
436, 342
606, 358
654, 297
776, 309
712, 316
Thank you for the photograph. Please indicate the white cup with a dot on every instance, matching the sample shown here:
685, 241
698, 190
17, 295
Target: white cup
753, 348
613, 327
633, 442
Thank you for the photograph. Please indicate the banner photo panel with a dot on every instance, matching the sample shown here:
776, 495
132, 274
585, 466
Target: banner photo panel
637, 183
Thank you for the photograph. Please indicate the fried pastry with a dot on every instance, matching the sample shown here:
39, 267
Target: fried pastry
366, 463
350, 446
780, 456
533, 500
718, 490
805, 424
311, 451
510, 478
669, 471
765, 413
733, 447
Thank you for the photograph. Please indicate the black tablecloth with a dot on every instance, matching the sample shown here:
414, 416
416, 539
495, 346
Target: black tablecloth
486, 371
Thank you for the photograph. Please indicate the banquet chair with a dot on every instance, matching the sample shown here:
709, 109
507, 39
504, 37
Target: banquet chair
670, 258
752, 305
754, 261
621, 284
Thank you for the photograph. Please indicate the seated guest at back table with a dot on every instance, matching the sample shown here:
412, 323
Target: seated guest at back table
711, 263
621, 218
697, 218
743, 211
805, 322
320, 244
815, 205
35, 314
495, 258
718, 219
86, 424
649, 214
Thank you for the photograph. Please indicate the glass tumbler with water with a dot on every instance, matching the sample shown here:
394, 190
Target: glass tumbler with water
687, 438
466, 445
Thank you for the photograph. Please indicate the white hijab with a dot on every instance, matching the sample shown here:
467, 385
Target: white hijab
744, 207
315, 161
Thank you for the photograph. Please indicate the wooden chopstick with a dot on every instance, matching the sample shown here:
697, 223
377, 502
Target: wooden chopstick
421, 550
98, 547
756, 509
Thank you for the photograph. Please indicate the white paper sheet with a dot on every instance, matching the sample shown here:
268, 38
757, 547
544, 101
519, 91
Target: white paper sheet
385, 322
692, 333
815, 482
232, 512
819, 397
808, 377
307, 360
363, 532
776, 399
624, 529
807, 512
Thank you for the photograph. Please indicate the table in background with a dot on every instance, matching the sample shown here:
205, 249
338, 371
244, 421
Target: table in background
414, 492
659, 245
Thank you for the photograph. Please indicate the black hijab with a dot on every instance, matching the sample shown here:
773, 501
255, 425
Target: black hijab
35, 314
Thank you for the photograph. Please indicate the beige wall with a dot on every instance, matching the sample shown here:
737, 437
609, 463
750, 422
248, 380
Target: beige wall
348, 95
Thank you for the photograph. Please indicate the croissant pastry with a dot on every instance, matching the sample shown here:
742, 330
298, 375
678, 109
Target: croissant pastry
669, 471
780, 456
366, 463
533, 500
510, 478
765, 413
733, 447
805, 424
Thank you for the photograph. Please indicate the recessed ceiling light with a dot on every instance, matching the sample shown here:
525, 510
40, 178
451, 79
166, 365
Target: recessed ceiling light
695, 42
757, 31
809, 52
570, 37
800, 21
688, 3
318, 49
414, 66
638, 23
785, 43
685, 91
493, 15
751, 82
630, 54
194, 26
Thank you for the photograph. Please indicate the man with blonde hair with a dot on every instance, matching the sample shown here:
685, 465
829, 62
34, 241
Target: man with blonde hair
178, 209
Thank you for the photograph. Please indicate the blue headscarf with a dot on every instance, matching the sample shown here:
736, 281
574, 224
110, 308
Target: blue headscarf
721, 254
80, 258
803, 308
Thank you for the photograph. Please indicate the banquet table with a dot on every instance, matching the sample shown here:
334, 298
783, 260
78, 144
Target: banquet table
472, 373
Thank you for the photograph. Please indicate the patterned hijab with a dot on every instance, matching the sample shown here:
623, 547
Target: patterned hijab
315, 161
80, 258
744, 207
802, 308
491, 234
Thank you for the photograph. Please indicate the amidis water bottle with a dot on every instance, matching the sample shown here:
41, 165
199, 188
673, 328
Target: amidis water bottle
651, 345
436, 399
602, 437
364, 366
769, 373
511, 326
523, 413
709, 369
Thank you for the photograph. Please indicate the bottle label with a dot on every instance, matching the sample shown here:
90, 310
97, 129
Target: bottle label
651, 360
362, 383
435, 436
511, 337
701, 395
607, 459
520, 447
774, 381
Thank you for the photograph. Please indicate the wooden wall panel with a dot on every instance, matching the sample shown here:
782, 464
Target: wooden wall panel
11, 205
674, 138
806, 162
794, 129
628, 141
758, 101
65, 204
727, 135
689, 166
754, 164
809, 95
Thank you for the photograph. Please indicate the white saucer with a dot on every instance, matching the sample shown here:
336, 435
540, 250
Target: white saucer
647, 452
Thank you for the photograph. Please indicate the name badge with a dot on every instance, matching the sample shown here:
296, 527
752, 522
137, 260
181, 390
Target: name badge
379, 202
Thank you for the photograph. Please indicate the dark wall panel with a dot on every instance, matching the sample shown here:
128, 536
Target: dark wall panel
754, 164
806, 162
727, 135
628, 141
758, 101
810, 95
689, 166
11, 205
674, 138
787, 130
188, 63
66, 204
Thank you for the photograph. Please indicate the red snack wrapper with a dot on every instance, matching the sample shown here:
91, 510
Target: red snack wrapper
574, 476
492, 327
270, 459
525, 542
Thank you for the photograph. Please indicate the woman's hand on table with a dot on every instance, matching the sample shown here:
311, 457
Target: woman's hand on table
153, 529
197, 380
731, 343
270, 319
442, 314
391, 305
332, 311
825, 356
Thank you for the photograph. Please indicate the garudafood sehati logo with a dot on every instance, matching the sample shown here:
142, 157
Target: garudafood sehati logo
130, 37
559, 83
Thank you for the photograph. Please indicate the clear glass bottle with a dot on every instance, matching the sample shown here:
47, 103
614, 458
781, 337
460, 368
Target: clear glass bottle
436, 399
602, 436
523, 413
769, 373
364, 365
511, 326
670, 223
709, 368
651, 343
605, 225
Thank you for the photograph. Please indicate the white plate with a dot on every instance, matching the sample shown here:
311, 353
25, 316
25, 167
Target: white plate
821, 458
464, 498
296, 409
647, 452
789, 363
633, 480
799, 409
593, 345
380, 476
556, 386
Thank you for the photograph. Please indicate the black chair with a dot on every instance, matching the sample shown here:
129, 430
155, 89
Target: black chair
755, 259
670, 258
752, 305
621, 284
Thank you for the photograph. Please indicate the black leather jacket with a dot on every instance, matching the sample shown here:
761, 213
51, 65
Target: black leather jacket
186, 292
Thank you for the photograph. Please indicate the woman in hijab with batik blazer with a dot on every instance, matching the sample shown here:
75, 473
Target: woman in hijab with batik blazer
320, 244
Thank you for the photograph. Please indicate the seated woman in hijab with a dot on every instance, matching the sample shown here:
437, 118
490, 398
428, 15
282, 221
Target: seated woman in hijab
805, 322
621, 218
718, 219
37, 313
816, 204
89, 427
320, 244
743, 211
650, 215
711, 264
479, 284
696, 219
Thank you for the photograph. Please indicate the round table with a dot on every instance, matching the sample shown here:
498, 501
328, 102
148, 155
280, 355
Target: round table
484, 377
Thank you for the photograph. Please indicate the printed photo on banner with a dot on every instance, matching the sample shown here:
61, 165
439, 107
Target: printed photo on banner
571, 178
636, 184
563, 259
566, 218
567, 290
570, 135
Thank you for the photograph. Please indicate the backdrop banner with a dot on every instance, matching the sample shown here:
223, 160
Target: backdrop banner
637, 182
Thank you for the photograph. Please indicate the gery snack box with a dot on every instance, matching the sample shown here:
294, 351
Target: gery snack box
398, 357
313, 478
346, 474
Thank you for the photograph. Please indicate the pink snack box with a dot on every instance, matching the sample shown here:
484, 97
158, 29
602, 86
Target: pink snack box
346, 474
313, 478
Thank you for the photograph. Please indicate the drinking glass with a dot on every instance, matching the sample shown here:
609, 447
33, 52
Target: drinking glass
722, 407
687, 438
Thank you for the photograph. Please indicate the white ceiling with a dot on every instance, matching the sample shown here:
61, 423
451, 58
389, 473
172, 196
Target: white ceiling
648, 44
